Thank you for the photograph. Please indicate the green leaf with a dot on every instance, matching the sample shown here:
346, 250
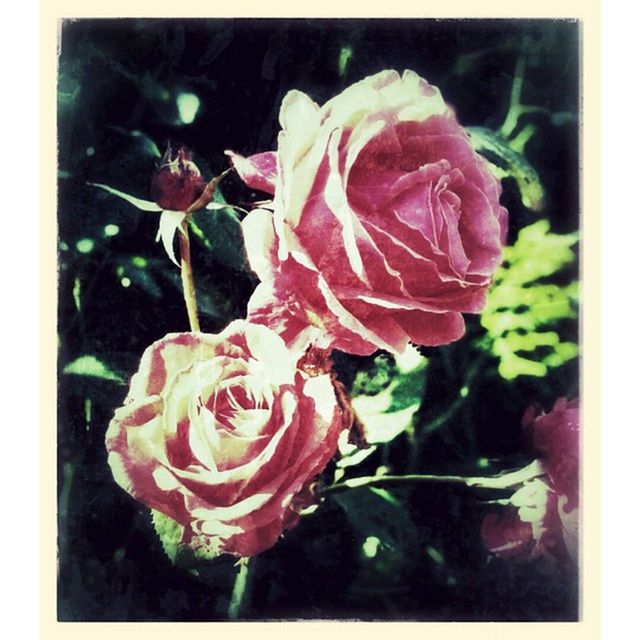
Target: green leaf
170, 533
91, 366
385, 495
399, 388
372, 381
408, 390
521, 311
389, 541
381, 423
219, 230
508, 160
144, 205
142, 142
375, 512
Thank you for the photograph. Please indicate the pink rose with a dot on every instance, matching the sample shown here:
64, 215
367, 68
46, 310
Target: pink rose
385, 224
224, 434
542, 516
557, 436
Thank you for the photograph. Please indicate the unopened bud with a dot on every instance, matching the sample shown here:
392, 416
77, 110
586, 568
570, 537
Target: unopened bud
177, 183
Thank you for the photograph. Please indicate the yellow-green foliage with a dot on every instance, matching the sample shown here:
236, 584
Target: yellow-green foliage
521, 310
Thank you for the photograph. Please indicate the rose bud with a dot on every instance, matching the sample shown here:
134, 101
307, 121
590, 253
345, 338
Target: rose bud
385, 226
177, 183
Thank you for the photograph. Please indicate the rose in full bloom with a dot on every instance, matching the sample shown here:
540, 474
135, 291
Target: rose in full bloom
542, 516
225, 434
385, 224
177, 183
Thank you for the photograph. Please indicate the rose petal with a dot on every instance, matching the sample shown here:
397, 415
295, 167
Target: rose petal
506, 535
258, 171
431, 328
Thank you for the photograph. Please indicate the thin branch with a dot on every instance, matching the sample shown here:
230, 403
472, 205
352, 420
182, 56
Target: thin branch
186, 274
501, 482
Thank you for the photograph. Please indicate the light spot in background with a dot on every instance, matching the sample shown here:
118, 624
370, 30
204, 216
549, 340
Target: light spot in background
464, 392
111, 230
85, 245
435, 555
87, 412
76, 293
139, 261
188, 106
483, 463
370, 546
120, 271
343, 60
90, 151
64, 246
125, 282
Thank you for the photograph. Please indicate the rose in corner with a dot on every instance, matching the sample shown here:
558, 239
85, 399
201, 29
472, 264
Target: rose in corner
385, 224
541, 518
224, 434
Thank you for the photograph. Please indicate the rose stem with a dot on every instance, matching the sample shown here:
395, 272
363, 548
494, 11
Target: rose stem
502, 482
239, 589
186, 273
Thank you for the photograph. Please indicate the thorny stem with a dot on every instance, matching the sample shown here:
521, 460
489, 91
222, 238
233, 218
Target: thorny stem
502, 482
186, 274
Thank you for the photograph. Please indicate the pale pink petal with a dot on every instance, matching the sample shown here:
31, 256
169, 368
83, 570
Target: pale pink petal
260, 242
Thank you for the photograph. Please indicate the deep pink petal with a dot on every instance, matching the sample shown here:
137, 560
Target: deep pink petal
258, 171
431, 328
557, 436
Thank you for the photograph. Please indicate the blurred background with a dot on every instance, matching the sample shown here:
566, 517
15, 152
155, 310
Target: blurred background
125, 88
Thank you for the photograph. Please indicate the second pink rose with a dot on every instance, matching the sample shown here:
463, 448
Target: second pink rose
385, 224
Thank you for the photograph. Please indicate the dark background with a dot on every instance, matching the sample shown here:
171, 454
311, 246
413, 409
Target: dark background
118, 83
